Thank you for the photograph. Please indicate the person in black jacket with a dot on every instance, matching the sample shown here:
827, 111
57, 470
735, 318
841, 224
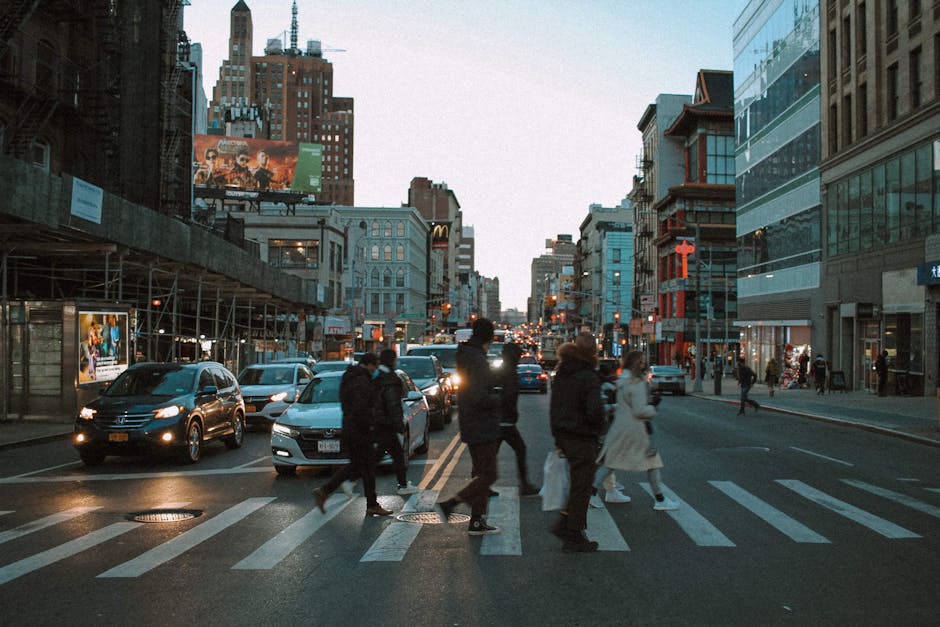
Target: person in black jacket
390, 419
746, 379
509, 380
577, 421
358, 397
479, 426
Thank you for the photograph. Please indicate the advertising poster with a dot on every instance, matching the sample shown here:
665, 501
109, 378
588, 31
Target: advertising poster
248, 163
102, 337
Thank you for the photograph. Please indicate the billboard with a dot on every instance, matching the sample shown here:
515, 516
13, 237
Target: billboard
247, 163
440, 235
103, 350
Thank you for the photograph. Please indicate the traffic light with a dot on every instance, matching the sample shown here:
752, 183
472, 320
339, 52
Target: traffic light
616, 317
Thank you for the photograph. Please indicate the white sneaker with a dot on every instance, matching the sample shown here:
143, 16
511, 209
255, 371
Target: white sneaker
616, 496
666, 505
409, 488
347, 488
596, 502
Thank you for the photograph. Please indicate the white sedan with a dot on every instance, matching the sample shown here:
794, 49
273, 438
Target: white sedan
309, 433
269, 389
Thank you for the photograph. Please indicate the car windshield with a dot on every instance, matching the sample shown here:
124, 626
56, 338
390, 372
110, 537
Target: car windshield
447, 356
417, 368
152, 382
321, 390
332, 366
528, 368
667, 370
267, 376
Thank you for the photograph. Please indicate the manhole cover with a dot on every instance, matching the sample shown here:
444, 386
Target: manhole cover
164, 515
431, 518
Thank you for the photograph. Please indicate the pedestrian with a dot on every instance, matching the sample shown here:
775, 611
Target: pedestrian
746, 379
803, 362
628, 445
613, 489
820, 369
509, 433
390, 418
478, 419
577, 422
771, 375
358, 397
881, 368
710, 367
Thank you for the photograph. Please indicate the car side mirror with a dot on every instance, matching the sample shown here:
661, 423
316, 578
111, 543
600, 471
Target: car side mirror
209, 389
303, 382
414, 396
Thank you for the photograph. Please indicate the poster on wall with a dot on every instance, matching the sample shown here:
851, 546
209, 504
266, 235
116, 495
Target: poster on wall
102, 337
251, 164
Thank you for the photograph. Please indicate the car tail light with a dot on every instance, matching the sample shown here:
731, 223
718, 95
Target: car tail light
542, 375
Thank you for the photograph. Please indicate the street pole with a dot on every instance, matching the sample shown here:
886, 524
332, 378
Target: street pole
697, 386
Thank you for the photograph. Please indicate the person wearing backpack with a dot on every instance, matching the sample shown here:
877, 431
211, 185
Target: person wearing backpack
746, 379
819, 373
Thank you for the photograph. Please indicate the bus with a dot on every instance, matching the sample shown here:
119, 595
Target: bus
500, 336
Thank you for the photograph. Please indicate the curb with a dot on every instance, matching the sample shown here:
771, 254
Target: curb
836, 421
42, 439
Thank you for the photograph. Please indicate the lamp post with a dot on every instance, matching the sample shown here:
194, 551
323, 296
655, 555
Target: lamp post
697, 384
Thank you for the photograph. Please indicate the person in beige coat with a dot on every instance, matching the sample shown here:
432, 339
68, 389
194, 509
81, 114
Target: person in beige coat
627, 445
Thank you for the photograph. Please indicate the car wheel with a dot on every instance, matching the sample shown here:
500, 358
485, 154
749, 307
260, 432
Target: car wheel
423, 449
449, 414
92, 458
193, 449
284, 469
238, 433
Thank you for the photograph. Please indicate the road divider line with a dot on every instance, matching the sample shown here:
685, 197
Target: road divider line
254, 461
398, 536
441, 460
903, 499
503, 511
270, 554
877, 524
187, 540
783, 523
696, 526
448, 471
821, 456
42, 523
602, 529
36, 472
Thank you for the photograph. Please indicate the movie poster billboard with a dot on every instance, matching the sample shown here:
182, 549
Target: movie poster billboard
247, 163
103, 350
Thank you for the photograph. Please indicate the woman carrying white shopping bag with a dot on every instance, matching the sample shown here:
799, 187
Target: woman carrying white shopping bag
628, 445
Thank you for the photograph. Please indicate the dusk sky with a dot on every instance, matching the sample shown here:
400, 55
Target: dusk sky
526, 109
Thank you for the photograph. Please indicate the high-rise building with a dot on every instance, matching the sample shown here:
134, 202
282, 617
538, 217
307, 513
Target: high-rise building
233, 88
880, 175
548, 273
776, 109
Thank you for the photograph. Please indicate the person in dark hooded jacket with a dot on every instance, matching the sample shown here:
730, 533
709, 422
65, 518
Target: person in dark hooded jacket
479, 426
509, 381
577, 421
390, 418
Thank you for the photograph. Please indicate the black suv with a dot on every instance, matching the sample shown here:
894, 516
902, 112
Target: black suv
434, 383
162, 406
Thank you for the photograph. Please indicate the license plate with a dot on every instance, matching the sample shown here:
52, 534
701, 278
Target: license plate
117, 437
328, 446
250, 408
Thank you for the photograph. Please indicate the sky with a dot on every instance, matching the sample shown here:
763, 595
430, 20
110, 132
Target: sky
526, 109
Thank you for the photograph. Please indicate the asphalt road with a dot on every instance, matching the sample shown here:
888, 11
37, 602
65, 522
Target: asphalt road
783, 521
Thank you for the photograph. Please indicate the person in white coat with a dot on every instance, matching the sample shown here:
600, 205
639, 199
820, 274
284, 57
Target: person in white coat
628, 445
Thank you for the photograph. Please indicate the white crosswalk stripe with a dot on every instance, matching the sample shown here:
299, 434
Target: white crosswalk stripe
696, 526
903, 499
396, 539
877, 524
187, 540
270, 554
43, 523
602, 528
503, 513
5, 512
796, 530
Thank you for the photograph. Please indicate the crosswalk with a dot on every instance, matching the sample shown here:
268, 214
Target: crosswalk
394, 538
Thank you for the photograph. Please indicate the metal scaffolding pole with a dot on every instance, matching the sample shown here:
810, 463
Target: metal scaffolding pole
198, 319
150, 313
5, 360
174, 356
215, 331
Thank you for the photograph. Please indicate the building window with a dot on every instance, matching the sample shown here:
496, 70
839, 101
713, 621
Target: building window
400, 302
400, 278
862, 108
387, 302
915, 9
846, 42
891, 18
388, 228
400, 253
719, 153
832, 54
400, 228
39, 155
388, 252
916, 78
375, 252
833, 129
375, 277
892, 89
861, 31
693, 161
615, 278
847, 120
375, 228
375, 304
293, 253
615, 255
387, 278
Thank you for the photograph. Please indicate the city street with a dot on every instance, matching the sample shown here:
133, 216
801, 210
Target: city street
782, 521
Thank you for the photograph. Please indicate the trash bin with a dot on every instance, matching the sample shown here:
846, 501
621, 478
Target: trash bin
719, 375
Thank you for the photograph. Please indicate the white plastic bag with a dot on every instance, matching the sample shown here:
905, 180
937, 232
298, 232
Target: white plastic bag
555, 482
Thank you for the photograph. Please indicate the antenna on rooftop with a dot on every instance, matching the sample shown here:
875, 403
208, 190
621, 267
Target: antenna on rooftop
293, 27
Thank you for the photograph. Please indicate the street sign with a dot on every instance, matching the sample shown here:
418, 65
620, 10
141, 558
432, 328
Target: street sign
411, 315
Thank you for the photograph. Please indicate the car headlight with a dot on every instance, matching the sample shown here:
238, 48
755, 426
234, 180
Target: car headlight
497, 363
434, 390
280, 396
87, 413
284, 430
167, 412
455, 379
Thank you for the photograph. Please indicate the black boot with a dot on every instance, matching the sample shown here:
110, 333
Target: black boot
560, 528
576, 542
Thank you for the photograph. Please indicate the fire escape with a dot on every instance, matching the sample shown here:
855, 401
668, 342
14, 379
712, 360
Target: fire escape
176, 113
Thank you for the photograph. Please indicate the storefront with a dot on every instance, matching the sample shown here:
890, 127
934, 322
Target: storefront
784, 340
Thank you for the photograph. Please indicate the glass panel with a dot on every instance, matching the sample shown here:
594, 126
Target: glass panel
852, 230
878, 194
922, 187
907, 195
865, 211
893, 198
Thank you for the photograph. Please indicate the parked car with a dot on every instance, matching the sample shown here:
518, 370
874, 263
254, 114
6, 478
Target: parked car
310, 432
308, 361
528, 358
447, 355
667, 379
434, 383
331, 366
268, 389
162, 407
532, 377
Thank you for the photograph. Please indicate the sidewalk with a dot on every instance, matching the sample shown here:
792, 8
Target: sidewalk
911, 418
